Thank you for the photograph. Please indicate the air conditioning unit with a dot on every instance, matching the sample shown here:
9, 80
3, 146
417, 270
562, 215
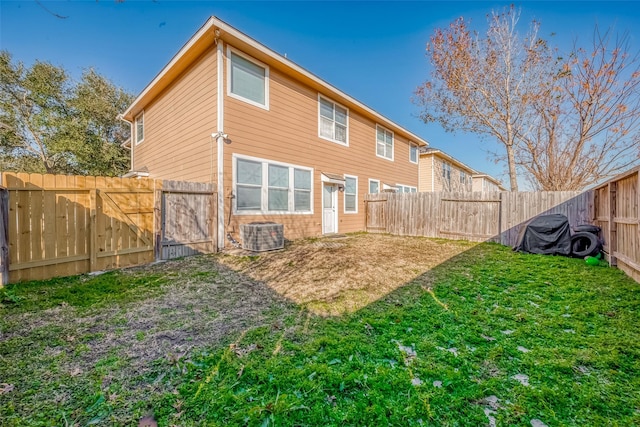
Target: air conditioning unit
262, 236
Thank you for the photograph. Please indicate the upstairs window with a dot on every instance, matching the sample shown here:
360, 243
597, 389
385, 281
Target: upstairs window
333, 121
463, 179
446, 174
384, 143
248, 80
140, 128
413, 153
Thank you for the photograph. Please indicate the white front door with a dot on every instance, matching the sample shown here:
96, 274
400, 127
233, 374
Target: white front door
329, 208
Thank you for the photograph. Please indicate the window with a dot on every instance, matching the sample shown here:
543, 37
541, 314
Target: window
301, 190
374, 186
249, 185
384, 143
262, 186
463, 179
406, 188
350, 194
278, 188
413, 153
333, 121
140, 128
446, 174
248, 79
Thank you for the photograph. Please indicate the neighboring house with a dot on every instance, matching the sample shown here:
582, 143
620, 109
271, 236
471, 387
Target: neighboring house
280, 143
441, 172
484, 182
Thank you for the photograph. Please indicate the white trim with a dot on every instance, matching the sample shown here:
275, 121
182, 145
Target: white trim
414, 146
334, 196
344, 199
265, 187
264, 106
135, 174
325, 178
128, 141
373, 180
346, 144
135, 121
220, 144
226, 29
393, 143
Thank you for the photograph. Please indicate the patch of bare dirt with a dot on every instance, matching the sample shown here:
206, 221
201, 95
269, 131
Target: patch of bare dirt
332, 279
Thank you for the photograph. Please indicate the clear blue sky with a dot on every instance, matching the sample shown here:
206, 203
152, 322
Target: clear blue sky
374, 51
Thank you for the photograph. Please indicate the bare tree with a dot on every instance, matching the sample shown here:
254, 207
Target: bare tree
485, 85
586, 125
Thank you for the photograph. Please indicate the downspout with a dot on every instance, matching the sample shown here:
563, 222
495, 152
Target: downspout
220, 143
121, 117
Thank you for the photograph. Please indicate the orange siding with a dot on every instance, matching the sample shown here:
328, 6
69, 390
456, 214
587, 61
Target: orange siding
178, 126
288, 132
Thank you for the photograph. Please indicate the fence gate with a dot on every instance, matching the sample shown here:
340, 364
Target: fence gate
186, 215
376, 220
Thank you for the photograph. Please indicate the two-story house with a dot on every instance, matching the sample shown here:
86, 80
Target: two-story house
441, 172
279, 143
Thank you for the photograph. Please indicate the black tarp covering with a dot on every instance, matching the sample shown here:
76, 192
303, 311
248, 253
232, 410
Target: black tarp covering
547, 235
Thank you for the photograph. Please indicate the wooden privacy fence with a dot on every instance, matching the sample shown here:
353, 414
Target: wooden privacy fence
61, 225
616, 212
494, 216
186, 223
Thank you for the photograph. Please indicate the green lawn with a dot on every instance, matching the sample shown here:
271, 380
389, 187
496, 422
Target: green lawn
488, 334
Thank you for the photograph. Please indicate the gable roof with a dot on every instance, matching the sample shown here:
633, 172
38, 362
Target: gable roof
215, 29
453, 160
489, 178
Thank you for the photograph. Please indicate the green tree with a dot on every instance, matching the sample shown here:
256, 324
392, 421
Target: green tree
49, 123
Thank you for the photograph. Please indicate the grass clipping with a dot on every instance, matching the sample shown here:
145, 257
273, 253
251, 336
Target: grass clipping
338, 276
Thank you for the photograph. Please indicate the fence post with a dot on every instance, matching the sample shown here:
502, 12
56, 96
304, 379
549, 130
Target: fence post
613, 226
4, 236
158, 214
93, 235
213, 224
500, 218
